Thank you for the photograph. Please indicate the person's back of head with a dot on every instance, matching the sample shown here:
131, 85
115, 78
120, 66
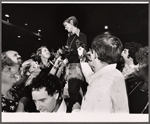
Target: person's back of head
107, 47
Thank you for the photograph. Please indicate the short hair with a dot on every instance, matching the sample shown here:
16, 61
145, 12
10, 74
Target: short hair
107, 47
142, 55
5, 60
74, 19
51, 82
133, 48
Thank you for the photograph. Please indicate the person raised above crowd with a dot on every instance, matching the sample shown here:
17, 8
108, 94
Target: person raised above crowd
75, 77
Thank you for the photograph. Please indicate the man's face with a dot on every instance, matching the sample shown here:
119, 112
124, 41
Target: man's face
43, 101
9, 74
68, 27
45, 52
125, 55
14, 56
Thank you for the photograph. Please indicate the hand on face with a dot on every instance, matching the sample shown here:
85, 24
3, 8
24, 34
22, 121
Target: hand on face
125, 53
35, 67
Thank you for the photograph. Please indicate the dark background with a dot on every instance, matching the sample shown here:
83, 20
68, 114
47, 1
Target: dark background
129, 22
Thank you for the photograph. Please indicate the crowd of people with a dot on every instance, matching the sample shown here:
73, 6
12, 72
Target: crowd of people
110, 77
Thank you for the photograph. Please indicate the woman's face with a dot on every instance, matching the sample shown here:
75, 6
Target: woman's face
126, 57
68, 27
45, 52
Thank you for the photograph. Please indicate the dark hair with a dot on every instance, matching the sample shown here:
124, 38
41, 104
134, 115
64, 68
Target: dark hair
50, 82
5, 60
133, 48
142, 55
107, 47
74, 19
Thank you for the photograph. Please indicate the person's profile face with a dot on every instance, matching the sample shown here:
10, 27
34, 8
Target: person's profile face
126, 57
43, 101
14, 56
45, 52
68, 26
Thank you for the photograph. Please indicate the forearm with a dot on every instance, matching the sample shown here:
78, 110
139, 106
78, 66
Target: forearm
87, 71
22, 103
53, 70
59, 72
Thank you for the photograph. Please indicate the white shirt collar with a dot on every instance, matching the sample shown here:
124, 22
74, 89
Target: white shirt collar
77, 31
103, 70
62, 107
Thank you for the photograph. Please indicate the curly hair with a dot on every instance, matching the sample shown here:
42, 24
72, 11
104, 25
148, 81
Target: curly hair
51, 82
5, 60
133, 47
107, 47
142, 55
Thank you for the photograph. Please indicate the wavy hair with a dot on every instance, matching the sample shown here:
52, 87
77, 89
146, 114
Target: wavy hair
107, 47
51, 82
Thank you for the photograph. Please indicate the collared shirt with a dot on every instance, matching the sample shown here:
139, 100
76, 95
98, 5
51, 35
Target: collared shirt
62, 107
106, 92
77, 32
8, 105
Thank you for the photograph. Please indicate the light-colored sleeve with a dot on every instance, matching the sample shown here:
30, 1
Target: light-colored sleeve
119, 97
75, 110
87, 71
99, 102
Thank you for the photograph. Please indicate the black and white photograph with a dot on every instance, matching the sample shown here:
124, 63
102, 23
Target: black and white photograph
74, 61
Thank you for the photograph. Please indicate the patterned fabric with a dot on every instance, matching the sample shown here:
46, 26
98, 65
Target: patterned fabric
17, 92
8, 105
72, 42
106, 92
